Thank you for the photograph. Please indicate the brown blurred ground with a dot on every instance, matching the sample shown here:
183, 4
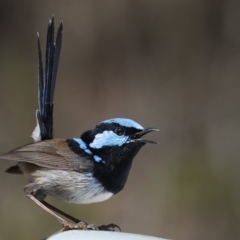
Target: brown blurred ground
168, 64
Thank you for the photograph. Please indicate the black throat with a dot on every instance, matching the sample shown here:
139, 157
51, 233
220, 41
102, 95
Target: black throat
114, 173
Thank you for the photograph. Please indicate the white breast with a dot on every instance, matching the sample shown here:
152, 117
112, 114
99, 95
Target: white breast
73, 187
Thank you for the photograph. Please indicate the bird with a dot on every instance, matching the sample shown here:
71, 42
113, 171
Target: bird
82, 170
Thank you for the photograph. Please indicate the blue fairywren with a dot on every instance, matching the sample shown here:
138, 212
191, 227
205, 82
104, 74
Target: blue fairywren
81, 170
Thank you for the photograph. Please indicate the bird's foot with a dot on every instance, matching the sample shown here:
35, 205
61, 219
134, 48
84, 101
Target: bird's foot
84, 226
81, 225
110, 227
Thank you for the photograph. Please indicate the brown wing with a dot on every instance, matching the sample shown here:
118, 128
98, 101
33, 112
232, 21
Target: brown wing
53, 153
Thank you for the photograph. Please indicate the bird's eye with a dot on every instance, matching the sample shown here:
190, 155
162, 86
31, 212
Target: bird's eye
119, 131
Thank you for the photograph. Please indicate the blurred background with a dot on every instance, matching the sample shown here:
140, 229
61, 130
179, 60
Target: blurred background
174, 65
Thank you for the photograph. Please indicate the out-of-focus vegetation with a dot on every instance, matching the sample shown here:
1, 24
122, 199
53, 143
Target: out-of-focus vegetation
174, 65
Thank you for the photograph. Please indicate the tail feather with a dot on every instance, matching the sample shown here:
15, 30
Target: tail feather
46, 83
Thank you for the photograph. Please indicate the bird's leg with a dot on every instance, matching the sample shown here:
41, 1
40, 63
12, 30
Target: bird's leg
61, 220
109, 227
61, 212
31, 189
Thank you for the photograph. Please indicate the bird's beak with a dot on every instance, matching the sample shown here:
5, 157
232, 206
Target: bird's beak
137, 136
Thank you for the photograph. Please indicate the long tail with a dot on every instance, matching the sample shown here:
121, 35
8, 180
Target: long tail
46, 83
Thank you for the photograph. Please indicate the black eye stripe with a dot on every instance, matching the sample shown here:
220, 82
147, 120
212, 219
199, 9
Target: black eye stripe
128, 130
89, 136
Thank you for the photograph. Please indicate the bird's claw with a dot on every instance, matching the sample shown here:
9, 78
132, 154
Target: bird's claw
110, 227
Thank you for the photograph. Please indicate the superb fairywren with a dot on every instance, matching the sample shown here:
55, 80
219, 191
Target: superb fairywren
88, 169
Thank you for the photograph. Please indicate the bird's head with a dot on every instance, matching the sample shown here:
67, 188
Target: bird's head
112, 145
116, 139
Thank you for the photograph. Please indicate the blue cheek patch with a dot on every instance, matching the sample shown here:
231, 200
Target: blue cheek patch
84, 147
108, 138
125, 122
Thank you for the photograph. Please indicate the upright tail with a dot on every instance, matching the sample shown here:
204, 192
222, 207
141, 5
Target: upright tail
46, 83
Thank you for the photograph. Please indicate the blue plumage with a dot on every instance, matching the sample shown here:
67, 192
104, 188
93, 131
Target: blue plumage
82, 145
97, 158
124, 122
107, 139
